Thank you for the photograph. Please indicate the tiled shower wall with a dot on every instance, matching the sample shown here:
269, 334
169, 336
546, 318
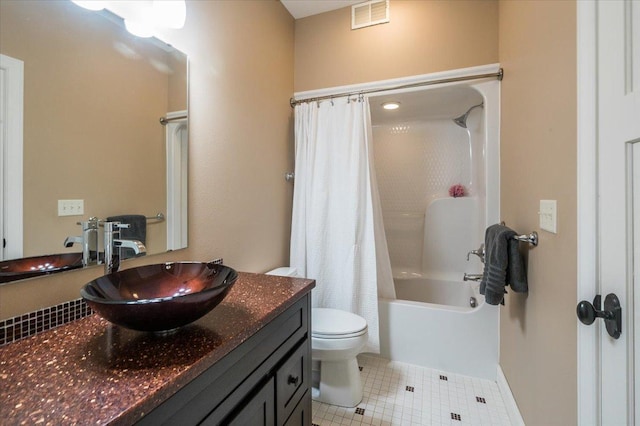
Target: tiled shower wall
415, 163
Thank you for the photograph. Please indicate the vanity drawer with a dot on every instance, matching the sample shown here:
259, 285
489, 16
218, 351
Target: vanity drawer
293, 379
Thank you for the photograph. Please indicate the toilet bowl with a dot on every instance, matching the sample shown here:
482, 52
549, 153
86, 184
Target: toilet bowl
337, 337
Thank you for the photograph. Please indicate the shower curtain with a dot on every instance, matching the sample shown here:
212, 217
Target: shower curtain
337, 236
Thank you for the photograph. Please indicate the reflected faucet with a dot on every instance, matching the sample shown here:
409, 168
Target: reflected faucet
88, 239
113, 244
70, 241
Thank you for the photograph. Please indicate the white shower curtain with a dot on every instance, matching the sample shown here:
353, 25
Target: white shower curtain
337, 237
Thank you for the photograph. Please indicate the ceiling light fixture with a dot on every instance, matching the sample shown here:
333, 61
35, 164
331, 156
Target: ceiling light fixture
391, 105
143, 17
170, 13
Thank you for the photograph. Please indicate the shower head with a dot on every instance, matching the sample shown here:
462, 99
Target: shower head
462, 120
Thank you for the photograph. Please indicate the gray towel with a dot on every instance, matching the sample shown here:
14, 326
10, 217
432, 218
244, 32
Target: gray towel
137, 231
503, 265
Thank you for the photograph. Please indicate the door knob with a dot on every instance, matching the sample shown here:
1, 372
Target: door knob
612, 313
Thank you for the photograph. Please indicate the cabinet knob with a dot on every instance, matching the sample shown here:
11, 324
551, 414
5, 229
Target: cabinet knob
293, 380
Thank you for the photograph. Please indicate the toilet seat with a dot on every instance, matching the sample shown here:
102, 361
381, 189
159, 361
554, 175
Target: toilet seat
327, 323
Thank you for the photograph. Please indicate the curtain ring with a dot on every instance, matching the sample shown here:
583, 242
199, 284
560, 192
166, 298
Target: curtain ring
331, 100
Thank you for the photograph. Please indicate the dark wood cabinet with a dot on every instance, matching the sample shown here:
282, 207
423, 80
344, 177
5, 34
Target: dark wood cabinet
259, 410
264, 381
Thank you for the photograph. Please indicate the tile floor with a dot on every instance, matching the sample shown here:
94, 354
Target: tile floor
403, 394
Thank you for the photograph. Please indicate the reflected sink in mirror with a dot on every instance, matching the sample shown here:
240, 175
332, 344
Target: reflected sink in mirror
160, 297
27, 267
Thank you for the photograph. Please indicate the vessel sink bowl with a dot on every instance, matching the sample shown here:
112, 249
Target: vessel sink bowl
159, 297
27, 267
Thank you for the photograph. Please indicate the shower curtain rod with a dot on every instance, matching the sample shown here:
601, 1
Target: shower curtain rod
293, 102
165, 120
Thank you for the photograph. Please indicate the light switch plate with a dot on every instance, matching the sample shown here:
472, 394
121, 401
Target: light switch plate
70, 207
549, 215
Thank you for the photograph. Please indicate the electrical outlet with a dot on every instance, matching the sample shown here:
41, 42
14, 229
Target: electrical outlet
70, 207
549, 215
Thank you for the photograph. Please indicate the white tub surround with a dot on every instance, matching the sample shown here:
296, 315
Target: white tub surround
432, 324
420, 153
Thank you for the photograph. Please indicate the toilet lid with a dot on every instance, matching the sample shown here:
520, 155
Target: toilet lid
333, 324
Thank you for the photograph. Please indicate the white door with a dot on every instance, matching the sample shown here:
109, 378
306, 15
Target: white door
177, 179
609, 206
11, 112
618, 150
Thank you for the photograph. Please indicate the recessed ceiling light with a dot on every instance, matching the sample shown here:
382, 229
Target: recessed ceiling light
391, 105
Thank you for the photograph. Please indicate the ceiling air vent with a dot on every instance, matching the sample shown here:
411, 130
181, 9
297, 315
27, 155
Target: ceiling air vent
369, 13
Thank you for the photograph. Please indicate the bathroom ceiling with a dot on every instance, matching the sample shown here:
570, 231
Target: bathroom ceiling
303, 8
429, 104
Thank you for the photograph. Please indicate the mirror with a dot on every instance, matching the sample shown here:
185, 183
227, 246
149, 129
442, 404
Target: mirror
92, 102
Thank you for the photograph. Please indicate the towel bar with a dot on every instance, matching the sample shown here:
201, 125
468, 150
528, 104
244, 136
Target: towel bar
159, 217
531, 238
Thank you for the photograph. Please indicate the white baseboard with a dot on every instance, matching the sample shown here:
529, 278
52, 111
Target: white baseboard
512, 407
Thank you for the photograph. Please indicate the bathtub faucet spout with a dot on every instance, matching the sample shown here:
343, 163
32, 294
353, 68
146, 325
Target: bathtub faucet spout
472, 277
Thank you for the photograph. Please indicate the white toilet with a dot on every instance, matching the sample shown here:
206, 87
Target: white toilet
336, 338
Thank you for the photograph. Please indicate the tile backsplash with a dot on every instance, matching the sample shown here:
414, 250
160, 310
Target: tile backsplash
31, 323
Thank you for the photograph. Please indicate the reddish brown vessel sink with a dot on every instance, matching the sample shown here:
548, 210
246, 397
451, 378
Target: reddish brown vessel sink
27, 267
159, 297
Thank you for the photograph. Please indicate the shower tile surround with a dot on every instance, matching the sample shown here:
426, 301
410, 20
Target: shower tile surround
31, 323
402, 394
416, 162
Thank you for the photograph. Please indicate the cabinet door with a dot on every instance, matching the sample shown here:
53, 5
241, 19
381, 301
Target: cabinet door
258, 410
301, 415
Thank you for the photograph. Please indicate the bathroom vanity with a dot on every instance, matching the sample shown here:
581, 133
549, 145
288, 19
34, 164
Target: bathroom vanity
247, 361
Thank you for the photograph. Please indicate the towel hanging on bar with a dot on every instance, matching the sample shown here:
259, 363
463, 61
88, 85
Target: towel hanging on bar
503, 265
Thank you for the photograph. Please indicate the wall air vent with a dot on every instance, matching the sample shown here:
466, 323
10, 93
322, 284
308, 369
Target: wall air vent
369, 13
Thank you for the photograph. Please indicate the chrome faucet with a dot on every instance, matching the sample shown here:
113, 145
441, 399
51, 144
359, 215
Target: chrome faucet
88, 239
113, 244
479, 252
472, 277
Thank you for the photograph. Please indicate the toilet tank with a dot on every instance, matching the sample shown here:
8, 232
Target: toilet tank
284, 271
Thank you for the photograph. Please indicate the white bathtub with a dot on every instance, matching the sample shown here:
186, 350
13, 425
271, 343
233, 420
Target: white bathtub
432, 324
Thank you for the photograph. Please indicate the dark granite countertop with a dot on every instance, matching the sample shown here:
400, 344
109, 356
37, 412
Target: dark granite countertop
90, 371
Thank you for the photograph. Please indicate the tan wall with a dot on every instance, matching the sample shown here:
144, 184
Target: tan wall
240, 145
422, 37
538, 161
